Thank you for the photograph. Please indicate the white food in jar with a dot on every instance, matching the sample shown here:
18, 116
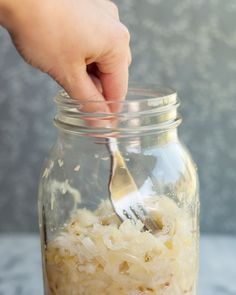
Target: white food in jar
97, 254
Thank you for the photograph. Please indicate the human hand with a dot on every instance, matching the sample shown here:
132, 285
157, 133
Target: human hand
80, 43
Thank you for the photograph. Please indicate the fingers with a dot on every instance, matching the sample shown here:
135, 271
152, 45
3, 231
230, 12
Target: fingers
87, 88
114, 69
99, 72
115, 85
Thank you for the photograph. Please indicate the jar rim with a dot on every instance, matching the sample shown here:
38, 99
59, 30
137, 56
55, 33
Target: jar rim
146, 109
149, 94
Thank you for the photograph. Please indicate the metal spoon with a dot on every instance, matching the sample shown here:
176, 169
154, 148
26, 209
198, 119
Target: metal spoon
124, 194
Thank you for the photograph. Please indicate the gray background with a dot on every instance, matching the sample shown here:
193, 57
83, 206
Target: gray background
189, 45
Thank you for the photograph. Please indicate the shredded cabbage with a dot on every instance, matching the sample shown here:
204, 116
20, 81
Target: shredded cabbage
97, 254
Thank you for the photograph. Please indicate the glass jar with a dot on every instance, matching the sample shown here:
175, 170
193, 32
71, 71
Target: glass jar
87, 249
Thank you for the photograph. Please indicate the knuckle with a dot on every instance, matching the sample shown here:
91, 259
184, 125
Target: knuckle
124, 34
114, 7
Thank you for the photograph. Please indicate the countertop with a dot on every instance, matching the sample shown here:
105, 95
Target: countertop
20, 265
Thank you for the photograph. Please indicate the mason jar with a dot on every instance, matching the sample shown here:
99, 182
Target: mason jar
89, 249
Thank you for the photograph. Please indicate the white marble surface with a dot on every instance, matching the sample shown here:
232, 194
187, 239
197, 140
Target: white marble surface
20, 265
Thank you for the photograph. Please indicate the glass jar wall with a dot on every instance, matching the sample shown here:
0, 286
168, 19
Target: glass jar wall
87, 249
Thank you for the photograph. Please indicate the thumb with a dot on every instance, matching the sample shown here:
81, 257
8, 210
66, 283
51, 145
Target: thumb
115, 85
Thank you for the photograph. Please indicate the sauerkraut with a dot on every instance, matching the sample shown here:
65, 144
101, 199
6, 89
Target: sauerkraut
97, 254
